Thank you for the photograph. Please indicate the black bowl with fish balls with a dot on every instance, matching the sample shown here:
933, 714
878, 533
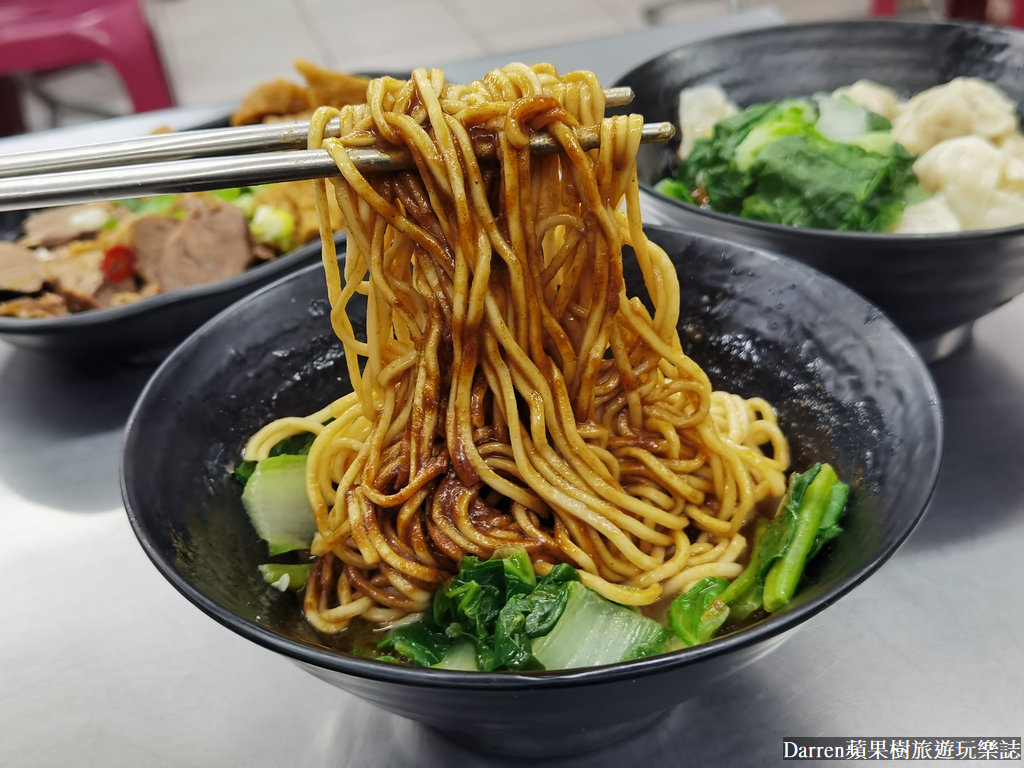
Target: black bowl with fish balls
933, 286
849, 389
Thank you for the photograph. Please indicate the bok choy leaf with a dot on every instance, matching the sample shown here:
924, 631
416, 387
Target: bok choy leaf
807, 519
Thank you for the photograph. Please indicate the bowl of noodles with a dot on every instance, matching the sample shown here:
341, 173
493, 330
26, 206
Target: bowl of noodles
515, 465
937, 243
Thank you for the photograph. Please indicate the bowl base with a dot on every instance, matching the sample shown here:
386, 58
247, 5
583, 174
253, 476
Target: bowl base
558, 742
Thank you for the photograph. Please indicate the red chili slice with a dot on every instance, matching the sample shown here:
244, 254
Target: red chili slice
119, 263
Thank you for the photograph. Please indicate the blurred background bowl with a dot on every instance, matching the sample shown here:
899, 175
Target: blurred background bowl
932, 286
144, 331
849, 389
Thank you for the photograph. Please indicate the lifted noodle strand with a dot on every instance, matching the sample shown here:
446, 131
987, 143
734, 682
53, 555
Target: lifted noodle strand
507, 390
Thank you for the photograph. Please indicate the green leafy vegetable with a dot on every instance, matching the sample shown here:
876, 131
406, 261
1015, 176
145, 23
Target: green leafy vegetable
787, 118
497, 606
529, 615
296, 445
511, 620
594, 631
286, 576
240, 197
274, 226
461, 656
808, 181
676, 189
470, 603
807, 519
423, 642
231, 195
698, 613
244, 471
830, 165
142, 206
821, 500
519, 576
275, 500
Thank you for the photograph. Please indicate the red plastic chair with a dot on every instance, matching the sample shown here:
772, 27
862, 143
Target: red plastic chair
37, 35
972, 10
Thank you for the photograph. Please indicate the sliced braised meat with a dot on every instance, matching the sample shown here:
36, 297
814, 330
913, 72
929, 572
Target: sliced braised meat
77, 278
207, 246
56, 226
206, 240
20, 270
47, 305
149, 240
109, 294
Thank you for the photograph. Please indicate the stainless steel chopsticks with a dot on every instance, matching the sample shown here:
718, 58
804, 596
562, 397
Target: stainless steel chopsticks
44, 190
187, 144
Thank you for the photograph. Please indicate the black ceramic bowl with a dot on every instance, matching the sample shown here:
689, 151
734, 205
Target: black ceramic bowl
849, 388
145, 331
932, 286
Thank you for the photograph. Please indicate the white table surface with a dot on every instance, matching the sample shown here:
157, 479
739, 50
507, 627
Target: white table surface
103, 663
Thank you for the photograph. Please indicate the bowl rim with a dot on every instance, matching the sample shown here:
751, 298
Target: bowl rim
970, 236
407, 675
99, 318
924, 238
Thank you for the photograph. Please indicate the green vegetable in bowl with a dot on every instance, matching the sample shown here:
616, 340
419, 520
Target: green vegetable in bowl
143, 206
268, 224
496, 605
495, 614
275, 500
284, 576
594, 631
274, 226
827, 164
696, 615
807, 519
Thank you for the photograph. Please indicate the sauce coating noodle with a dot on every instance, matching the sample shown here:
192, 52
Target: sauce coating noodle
508, 391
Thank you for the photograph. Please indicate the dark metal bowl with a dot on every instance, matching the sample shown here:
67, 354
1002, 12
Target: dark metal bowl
932, 286
849, 389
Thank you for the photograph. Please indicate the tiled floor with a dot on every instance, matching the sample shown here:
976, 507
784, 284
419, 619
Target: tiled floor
215, 51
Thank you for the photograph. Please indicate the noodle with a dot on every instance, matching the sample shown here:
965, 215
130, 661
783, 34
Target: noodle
507, 390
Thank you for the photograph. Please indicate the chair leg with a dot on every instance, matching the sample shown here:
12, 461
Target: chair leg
11, 121
1017, 14
143, 74
34, 84
970, 10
